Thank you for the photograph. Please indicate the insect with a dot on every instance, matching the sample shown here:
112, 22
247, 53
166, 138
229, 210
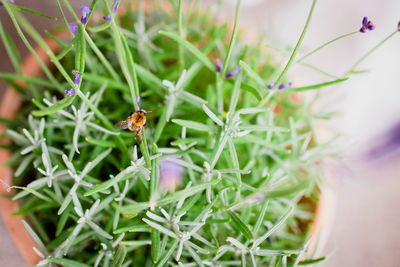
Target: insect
134, 123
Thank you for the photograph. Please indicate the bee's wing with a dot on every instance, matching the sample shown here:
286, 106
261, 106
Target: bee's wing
121, 125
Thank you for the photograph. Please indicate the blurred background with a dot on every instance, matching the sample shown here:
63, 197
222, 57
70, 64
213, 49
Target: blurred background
366, 177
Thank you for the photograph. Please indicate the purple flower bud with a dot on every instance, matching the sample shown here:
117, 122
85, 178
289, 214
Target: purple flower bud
233, 73
73, 27
77, 78
138, 101
70, 92
366, 25
218, 66
108, 18
398, 26
171, 174
115, 6
364, 21
84, 10
284, 85
1, 3
271, 85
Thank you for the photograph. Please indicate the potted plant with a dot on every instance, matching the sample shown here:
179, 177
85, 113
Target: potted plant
160, 137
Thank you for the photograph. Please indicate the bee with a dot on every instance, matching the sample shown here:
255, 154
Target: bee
134, 123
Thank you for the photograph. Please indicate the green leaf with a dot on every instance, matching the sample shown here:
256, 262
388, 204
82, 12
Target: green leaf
56, 107
24, 9
314, 87
155, 244
311, 261
32, 80
133, 209
35, 237
100, 28
241, 226
10, 47
58, 41
191, 48
101, 143
133, 229
107, 184
193, 125
67, 262
167, 254
252, 90
119, 256
175, 197
80, 43
252, 74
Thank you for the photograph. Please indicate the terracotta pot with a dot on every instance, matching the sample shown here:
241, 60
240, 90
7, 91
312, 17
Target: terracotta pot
9, 106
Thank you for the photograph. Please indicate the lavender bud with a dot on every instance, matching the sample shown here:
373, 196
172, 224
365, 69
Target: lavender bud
233, 73
77, 78
108, 18
138, 101
115, 6
218, 66
271, 85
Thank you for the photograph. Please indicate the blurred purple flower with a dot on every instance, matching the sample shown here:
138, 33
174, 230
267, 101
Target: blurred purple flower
73, 27
271, 85
1, 3
366, 25
77, 78
218, 65
84, 10
233, 73
115, 6
398, 26
171, 174
138, 101
389, 145
70, 92
284, 85
108, 18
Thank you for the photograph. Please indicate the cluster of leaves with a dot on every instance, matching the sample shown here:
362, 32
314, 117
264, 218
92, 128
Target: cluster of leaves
94, 196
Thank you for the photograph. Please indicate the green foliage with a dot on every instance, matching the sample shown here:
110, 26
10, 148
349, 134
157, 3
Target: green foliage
243, 156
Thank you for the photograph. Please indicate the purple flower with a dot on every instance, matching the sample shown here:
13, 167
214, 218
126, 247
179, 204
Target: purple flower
218, 65
271, 85
233, 73
1, 3
84, 10
398, 26
70, 92
171, 174
366, 25
77, 78
138, 101
108, 18
284, 85
73, 27
115, 6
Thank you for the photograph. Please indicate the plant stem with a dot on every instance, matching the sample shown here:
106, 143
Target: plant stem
180, 28
293, 55
325, 44
369, 53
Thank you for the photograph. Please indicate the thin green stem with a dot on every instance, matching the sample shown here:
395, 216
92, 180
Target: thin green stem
369, 53
181, 34
102, 58
293, 55
232, 41
326, 44
128, 67
62, 15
